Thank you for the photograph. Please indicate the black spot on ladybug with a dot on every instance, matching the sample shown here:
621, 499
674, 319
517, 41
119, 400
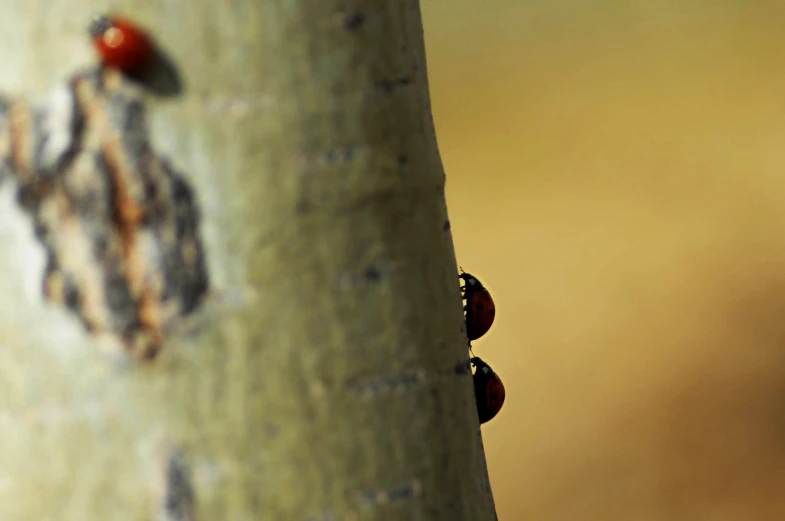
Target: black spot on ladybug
479, 307
372, 274
492, 312
354, 21
446, 226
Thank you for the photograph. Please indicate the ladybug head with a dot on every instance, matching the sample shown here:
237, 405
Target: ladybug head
99, 25
481, 366
471, 281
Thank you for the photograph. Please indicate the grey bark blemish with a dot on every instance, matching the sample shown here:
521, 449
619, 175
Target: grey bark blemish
387, 86
400, 493
389, 383
354, 21
372, 274
406, 380
178, 498
119, 226
332, 156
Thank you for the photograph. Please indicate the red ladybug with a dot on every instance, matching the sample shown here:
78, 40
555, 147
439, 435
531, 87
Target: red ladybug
121, 44
480, 309
488, 390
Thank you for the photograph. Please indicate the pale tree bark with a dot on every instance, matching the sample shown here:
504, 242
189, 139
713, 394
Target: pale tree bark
324, 376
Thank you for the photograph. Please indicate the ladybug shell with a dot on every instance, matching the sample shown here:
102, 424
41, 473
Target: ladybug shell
124, 45
480, 309
488, 391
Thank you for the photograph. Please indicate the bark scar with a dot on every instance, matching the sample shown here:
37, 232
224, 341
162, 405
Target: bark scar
404, 381
175, 497
408, 491
119, 226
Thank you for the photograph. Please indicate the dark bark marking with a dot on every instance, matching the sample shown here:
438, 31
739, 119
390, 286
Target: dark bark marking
119, 225
354, 21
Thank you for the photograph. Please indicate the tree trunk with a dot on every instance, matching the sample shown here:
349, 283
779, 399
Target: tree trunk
324, 375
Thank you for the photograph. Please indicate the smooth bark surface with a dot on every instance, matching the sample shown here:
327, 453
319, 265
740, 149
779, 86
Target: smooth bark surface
322, 380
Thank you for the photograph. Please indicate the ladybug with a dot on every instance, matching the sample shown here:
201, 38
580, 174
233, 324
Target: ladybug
121, 44
488, 390
480, 309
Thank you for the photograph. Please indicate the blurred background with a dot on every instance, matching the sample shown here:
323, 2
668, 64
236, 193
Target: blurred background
616, 178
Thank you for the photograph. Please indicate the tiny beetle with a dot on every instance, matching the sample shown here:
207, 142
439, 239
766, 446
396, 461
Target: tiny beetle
121, 44
488, 390
480, 309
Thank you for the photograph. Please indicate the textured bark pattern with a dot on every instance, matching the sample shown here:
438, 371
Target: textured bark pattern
119, 226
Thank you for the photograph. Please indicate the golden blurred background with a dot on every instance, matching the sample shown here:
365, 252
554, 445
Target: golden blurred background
616, 178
